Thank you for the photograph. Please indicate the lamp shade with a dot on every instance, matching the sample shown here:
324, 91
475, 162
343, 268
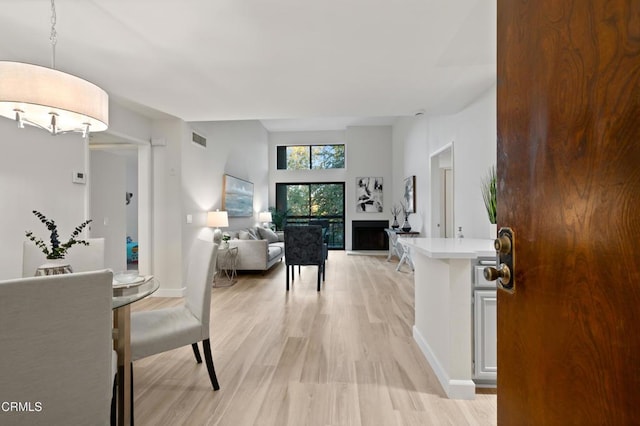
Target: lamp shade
36, 95
217, 219
264, 217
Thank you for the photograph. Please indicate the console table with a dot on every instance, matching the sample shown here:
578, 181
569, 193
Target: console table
396, 248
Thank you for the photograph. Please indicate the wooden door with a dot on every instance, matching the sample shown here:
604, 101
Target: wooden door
569, 186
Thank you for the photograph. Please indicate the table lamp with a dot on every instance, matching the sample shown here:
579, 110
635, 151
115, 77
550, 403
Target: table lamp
265, 218
216, 220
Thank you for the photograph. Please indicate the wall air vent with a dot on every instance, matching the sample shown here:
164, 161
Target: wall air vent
200, 140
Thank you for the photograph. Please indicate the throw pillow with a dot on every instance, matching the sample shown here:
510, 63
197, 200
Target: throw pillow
244, 235
253, 233
268, 234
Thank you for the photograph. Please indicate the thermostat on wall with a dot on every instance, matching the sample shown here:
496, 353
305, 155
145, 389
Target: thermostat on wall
79, 177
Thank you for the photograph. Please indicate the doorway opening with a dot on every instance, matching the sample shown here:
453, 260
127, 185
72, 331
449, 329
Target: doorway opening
119, 194
442, 206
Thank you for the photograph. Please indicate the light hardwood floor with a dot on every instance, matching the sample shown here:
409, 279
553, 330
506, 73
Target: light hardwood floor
344, 356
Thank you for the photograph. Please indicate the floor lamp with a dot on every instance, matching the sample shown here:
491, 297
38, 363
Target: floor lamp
216, 220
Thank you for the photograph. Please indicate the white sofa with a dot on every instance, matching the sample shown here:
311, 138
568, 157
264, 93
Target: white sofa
257, 251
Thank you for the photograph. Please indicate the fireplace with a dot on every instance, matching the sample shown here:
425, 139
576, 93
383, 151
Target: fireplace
369, 235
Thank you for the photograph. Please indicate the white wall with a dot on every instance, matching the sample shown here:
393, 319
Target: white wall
187, 180
128, 124
473, 132
410, 142
108, 186
166, 232
368, 151
35, 174
237, 148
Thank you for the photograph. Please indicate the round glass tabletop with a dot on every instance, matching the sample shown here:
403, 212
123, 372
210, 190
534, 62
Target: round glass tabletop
128, 295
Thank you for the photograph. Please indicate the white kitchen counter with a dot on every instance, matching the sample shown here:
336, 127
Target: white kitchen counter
443, 307
451, 248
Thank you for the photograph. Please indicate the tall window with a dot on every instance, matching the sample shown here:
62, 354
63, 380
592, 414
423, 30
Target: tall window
305, 202
310, 157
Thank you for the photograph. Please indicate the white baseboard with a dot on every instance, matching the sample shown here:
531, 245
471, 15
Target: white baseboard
455, 389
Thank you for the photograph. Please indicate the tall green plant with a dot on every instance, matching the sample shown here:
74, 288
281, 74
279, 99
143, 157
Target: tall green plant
278, 218
489, 194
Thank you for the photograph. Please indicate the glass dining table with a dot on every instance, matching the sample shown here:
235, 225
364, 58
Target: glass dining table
124, 294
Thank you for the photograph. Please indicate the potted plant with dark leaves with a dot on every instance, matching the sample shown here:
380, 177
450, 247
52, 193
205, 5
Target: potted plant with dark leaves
395, 211
56, 251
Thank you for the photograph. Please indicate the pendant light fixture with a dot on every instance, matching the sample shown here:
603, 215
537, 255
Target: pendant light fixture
49, 99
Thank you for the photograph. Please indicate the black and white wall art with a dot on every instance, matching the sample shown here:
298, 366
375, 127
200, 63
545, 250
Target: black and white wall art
410, 194
369, 195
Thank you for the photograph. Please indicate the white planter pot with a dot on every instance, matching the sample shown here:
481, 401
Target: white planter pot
54, 267
493, 230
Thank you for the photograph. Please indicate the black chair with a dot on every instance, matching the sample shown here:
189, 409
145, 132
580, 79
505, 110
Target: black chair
304, 245
325, 233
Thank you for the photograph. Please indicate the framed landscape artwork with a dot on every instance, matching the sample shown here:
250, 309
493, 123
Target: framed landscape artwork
369, 195
410, 194
237, 197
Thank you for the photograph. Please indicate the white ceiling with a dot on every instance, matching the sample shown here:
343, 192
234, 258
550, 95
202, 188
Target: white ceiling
318, 65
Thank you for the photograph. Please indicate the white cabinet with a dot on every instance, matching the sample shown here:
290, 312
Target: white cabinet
486, 335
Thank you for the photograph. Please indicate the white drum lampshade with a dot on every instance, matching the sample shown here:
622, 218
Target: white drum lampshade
265, 218
217, 220
51, 99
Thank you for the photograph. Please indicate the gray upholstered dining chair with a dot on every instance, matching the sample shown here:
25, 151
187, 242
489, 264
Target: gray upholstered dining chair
161, 330
304, 245
55, 344
81, 258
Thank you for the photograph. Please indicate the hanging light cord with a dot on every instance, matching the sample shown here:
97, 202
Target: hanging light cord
54, 39
54, 35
